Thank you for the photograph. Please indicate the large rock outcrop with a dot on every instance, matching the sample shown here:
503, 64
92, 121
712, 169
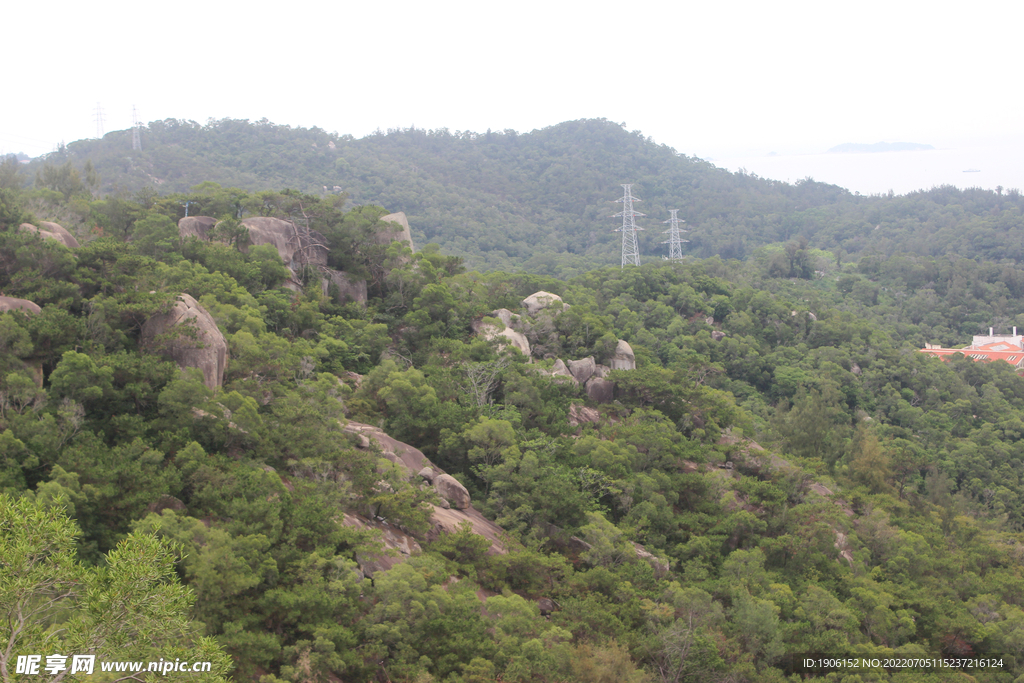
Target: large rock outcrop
507, 335
560, 370
52, 231
538, 301
398, 545
449, 488
410, 459
190, 337
403, 235
10, 303
297, 246
582, 370
623, 359
415, 465
199, 227
348, 289
600, 390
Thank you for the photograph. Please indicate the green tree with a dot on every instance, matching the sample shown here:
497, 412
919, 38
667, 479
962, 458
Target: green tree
132, 608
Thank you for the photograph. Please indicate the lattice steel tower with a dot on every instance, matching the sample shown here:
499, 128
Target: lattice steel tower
136, 138
630, 248
675, 240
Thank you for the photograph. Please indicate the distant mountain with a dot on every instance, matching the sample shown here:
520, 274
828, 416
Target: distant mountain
543, 200
857, 148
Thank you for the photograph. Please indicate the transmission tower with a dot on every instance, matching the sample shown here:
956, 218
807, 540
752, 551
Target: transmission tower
98, 115
136, 138
675, 240
630, 248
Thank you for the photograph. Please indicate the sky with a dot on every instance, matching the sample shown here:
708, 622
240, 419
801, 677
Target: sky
726, 81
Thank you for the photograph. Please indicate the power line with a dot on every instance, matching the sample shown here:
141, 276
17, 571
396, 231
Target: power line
675, 240
136, 138
630, 248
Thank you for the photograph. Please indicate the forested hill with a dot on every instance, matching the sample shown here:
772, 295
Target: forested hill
543, 200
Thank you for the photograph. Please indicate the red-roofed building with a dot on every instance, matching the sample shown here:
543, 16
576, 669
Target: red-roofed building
1004, 347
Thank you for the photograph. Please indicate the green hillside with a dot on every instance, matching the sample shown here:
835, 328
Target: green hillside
802, 479
542, 200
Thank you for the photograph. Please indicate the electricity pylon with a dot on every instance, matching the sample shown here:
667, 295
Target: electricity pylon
630, 248
675, 240
136, 138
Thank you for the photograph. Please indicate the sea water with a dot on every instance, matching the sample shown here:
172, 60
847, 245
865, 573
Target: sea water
987, 166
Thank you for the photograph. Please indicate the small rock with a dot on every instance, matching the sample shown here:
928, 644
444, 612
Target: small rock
428, 474
717, 335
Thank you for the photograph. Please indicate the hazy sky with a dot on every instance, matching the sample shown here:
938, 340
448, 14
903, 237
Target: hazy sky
725, 79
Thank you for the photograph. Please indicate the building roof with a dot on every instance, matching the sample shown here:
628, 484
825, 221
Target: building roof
999, 349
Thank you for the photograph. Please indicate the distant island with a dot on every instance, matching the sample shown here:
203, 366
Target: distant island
857, 148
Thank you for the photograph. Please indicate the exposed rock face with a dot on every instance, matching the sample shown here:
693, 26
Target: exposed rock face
446, 517
297, 247
9, 303
660, 566
517, 339
348, 289
504, 315
538, 301
582, 370
411, 459
601, 370
196, 226
404, 235
447, 522
623, 358
393, 539
581, 415
51, 231
600, 390
58, 229
559, 370
207, 351
449, 488
166, 502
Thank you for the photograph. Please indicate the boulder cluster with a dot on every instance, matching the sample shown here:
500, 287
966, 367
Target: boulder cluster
454, 508
586, 371
51, 231
299, 248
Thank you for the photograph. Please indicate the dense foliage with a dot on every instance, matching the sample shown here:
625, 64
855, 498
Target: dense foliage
884, 515
542, 200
